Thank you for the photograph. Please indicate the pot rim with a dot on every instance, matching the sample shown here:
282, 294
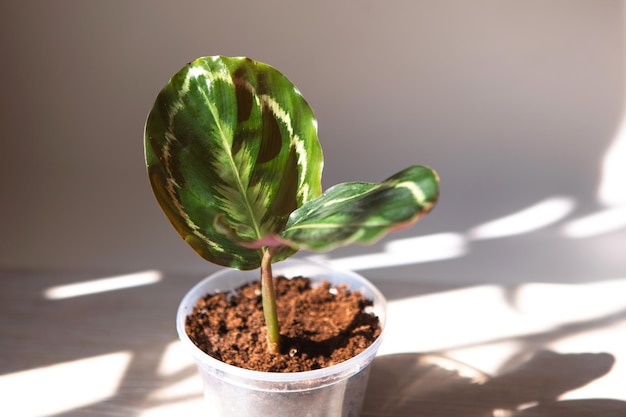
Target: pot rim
334, 372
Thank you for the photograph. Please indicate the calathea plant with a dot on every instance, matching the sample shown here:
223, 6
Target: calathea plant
234, 161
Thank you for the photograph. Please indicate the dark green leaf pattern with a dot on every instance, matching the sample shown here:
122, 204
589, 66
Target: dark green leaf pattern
235, 163
231, 148
359, 212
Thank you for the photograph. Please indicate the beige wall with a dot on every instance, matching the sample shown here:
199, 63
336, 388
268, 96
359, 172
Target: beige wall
512, 102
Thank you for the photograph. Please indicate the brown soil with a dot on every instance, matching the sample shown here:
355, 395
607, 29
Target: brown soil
320, 326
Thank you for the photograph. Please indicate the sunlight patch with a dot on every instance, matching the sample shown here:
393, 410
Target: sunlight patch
175, 359
605, 221
535, 217
563, 303
103, 285
415, 250
59, 388
611, 190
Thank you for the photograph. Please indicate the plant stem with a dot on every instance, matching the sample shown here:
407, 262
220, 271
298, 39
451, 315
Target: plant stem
268, 297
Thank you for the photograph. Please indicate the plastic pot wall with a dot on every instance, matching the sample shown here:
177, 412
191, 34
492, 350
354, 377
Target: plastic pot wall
335, 391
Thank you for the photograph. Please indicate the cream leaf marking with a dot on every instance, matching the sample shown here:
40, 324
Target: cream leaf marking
296, 141
417, 192
170, 138
226, 139
348, 198
302, 161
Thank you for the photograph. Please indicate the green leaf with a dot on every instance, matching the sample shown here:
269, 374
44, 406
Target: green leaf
362, 212
231, 149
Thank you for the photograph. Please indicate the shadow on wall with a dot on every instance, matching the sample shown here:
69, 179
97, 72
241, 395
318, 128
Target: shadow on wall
433, 386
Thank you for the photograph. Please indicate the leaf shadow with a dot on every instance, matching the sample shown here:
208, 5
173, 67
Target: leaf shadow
430, 385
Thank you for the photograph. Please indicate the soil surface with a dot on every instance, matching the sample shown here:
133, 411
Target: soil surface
319, 326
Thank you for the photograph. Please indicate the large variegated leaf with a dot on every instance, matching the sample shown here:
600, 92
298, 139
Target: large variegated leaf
231, 148
362, 212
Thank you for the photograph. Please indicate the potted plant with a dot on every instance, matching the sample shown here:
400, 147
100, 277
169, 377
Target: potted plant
234, 161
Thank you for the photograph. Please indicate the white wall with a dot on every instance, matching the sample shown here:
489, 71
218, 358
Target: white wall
513, 102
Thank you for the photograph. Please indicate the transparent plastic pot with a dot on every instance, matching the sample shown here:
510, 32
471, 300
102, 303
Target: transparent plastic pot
335, 391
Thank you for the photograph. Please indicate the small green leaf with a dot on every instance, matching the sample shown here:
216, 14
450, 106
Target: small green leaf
359, 212
231, 149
